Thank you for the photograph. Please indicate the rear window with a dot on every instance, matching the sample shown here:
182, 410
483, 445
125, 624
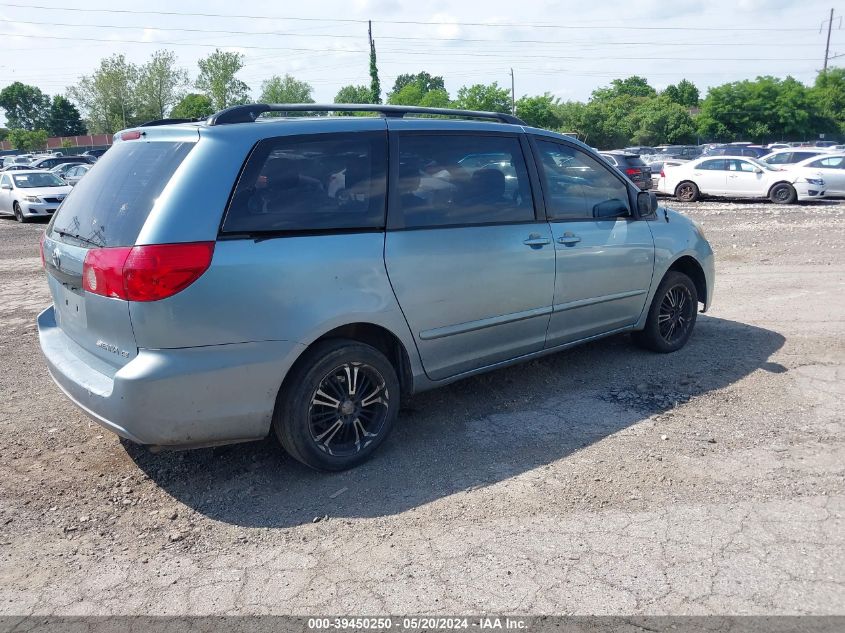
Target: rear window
110, 205
311, 183
634, 161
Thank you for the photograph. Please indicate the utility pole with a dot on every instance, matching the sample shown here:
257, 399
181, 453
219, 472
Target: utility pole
827, 46
513, 95
827, 55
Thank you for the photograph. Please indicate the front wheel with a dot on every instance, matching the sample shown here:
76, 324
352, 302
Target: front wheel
19, 216
337, 406
687, 191
671, 317
783, 193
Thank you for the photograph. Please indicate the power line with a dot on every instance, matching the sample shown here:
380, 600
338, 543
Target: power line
410, 22
385, 37
421, 52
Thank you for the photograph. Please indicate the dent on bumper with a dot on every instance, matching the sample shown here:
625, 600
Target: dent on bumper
173, 397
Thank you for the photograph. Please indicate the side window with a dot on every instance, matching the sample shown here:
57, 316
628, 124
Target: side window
799, 156
448, 180
780, 159
719, 164
834, 162
5, 180
741, 165
312, 183
579, 186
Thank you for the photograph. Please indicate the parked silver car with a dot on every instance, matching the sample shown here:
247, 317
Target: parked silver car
29, 194
75, 173
213, 281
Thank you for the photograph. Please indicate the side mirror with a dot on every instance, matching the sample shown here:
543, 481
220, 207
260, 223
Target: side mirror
757, 170
646, 203
611, 209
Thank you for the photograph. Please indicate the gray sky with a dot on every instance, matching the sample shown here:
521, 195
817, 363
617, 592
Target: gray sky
709, 42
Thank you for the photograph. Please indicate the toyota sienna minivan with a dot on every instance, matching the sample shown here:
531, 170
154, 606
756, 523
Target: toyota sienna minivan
214, 280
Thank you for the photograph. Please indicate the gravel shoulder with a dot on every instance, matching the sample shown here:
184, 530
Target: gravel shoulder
602, 480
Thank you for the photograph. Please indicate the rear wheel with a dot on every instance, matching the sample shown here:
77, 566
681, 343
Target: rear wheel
672, 315
338, 405
687, 191
783, 193
19, 216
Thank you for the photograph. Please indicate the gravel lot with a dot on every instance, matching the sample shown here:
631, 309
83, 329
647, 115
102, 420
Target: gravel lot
602, 480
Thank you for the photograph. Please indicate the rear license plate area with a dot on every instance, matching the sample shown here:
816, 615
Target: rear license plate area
70, 308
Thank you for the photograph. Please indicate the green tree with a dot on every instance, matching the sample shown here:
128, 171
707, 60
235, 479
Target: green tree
218, 82
354, 94
193, 106
108, 97
539, 111
424, 81
161, 85
633, 86
828, 93
661, 120
762, 110
684, 93
26, 106
28, 140
64, 119
375, 84
4, 133
286, 89
486, 97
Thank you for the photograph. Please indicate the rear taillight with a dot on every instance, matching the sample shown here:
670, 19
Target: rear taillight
662, 174
41, 249
145, 273
633, 171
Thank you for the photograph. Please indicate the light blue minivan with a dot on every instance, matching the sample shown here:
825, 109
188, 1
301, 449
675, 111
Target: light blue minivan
213, 280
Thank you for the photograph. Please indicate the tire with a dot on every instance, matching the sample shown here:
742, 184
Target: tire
319, 423
19, 216
783, 193
675, 305
687, 191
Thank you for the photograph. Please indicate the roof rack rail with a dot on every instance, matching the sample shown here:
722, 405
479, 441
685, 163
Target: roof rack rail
167, 122
250, 112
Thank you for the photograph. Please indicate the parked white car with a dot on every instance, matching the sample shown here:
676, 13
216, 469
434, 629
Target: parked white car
736, 177
830, 168
793, 155
31, 194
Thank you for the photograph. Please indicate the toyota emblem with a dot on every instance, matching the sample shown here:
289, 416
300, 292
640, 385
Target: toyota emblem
57, 258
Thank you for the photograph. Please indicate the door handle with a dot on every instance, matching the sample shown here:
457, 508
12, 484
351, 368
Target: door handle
535, 239
569, 239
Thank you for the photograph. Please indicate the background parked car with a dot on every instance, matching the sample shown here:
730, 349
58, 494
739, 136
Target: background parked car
736, 149
632, 166
28, 194
739, 178
17, 167
792, 155
95, 153
686, 152
75, 174
52, 161
61, 169
831, 168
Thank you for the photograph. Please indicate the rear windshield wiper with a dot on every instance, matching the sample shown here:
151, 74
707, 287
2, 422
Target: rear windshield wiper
84, 240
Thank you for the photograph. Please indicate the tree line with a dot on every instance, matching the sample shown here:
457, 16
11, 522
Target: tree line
120, 94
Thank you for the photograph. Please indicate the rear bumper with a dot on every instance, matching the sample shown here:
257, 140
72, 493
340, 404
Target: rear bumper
175, 397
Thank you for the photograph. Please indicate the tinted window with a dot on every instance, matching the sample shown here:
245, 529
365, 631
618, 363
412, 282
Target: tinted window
797, 157
780, 159
719, 164
32, 180
835, 162
742, 165
579, 186
311, 183
110, 206
441, 181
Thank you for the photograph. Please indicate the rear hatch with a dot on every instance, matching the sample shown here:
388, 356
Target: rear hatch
106, 211
637, 171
